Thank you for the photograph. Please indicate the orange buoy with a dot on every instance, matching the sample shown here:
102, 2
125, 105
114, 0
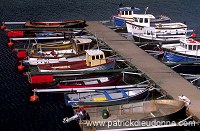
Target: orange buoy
194, 35
34, 98
20, 67
10, 43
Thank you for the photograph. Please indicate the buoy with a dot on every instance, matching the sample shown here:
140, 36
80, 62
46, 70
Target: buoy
105, 114
10, 43
80, 109
34, 98
20, 67
3, 27
194, 35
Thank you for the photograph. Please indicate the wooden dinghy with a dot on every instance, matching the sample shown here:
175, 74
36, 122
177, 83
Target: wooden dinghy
144, 113
55, 45
67, 81
61, 24
91, 82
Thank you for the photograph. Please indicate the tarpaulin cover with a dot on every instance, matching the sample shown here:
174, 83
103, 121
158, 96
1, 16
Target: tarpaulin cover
35, 79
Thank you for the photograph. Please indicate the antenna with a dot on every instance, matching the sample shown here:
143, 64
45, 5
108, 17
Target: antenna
146, 10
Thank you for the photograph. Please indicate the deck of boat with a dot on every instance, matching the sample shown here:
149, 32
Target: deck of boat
141, 112
163, 76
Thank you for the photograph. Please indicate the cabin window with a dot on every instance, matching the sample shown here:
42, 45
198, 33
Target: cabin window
93, 57
81, 47
101, 56
130, 12
185, 46
182, 44
198, 46
141, 20
97, 57
118, 12
135, 19
146, 20
194, 47
148, 33
126, 12
190, 47
122, 12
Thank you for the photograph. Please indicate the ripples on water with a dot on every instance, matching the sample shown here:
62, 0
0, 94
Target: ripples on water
16, 112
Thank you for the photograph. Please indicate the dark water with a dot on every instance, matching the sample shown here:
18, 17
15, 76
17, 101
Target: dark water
16, 112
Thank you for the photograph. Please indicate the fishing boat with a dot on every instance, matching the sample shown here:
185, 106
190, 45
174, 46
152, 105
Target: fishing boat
75, 53
143, 30
92, 81
59, 24
144, 115
95, 60
123, 14
187, 50
127, 13
106, 97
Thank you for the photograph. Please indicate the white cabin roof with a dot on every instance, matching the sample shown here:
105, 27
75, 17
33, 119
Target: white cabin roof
189, 41
94, 52
144, 16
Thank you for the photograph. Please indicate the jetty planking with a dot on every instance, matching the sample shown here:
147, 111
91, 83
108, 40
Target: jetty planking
162, 75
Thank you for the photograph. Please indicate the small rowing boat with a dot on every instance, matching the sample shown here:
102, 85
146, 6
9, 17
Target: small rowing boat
59, 24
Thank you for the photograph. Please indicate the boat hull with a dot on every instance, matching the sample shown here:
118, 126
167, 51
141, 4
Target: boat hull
187, 69
146, 113
119, 22
106, 66
64, 24
168, 31
113, 81
36, 61
153, 39
170, 56
140, 95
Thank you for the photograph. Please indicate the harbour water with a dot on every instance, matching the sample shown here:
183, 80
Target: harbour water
17, 113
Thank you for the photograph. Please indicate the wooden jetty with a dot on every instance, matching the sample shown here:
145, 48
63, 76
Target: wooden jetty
170, 81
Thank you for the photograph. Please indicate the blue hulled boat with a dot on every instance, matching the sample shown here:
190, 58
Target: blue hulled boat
187, 50
106, 97
123, 14
127, 14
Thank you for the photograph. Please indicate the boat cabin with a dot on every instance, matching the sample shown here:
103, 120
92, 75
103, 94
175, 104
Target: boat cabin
128, 12
190, 44
95, 57
143, 19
